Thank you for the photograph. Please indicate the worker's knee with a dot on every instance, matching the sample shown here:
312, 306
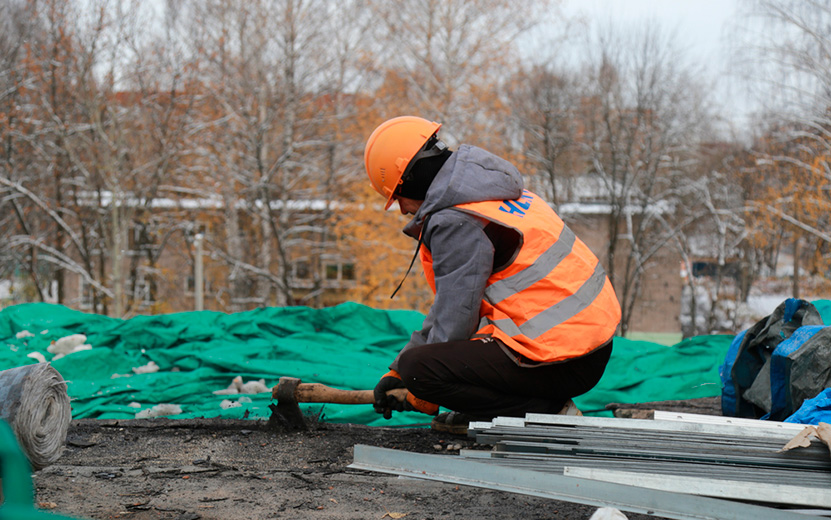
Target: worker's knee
410, 365
418, 372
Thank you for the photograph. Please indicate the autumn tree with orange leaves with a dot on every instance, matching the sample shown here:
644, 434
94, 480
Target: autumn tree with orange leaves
788, 205
789, 163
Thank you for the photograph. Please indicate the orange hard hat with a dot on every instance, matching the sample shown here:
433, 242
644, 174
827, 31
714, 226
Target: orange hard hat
391, 148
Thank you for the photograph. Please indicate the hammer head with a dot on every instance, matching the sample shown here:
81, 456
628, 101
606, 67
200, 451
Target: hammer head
287, 414
284, 391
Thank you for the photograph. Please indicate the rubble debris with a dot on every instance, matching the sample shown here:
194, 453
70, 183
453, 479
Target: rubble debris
160, 410
238, 387
149, 368
38, 356
68, 345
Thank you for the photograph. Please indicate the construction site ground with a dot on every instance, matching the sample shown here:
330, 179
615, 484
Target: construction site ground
242, 469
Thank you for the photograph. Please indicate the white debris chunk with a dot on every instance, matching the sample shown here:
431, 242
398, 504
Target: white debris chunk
227, 403
160, 410
37, 355
68, 345
608, 513
24, 334
76, 349
149, 368
238, 387
254, 387
233, 388
134, 404
244, 399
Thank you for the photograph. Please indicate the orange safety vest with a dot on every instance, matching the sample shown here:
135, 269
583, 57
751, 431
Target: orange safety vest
553, 302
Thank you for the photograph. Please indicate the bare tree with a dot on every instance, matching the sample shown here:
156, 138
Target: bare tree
276, 87
161, 100
445, 60
44, 125
793, 76
16, 157
643, 114
712, 231
545, 105
102, 141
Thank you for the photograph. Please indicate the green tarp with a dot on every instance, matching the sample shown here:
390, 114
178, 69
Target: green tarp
348, 346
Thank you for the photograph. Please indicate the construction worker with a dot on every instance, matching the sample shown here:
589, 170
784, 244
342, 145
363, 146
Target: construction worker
523, 315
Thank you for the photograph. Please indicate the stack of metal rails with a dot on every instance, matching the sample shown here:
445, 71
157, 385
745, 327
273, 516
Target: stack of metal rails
675, 466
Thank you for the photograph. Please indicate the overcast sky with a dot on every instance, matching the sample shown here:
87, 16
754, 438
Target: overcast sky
701, 27
699, 24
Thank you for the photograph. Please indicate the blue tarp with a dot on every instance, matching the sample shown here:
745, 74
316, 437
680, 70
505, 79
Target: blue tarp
759, 373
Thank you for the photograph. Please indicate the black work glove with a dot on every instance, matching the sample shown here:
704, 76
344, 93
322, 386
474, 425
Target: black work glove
384, 403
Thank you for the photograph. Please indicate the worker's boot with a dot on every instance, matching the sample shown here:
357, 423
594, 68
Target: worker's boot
570, 409
452, 422
457, 423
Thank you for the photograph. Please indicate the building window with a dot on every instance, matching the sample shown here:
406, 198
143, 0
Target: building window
332, 271
302, 270
302, 274
190, 285
141, 287
142, 293
338, 273
85, 294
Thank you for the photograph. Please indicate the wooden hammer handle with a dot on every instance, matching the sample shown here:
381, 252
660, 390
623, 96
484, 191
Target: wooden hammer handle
318, 393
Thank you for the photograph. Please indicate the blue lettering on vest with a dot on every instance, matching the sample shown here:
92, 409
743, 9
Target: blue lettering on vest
519, 206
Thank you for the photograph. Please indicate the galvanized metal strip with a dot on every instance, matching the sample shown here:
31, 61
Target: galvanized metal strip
793, 428
647, 457
456, 470
755, 491
649, 424
556, 464
659, 440
694, 453
608, 435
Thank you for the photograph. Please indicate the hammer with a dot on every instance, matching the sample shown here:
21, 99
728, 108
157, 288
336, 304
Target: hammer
290, 391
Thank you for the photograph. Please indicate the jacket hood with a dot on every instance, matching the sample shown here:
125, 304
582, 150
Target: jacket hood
471, 174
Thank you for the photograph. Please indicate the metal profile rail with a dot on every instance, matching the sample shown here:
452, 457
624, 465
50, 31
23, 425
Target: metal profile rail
667, 422
557, 464
457, 470
659, 439
736, 460
591, 444
733, 489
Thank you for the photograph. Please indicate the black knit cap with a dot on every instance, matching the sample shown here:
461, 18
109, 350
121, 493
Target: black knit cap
420, 174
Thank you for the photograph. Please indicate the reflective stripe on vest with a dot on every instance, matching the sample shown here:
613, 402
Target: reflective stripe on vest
557, 313
555, 254
554, 301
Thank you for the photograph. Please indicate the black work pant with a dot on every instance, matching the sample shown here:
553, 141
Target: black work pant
478, 378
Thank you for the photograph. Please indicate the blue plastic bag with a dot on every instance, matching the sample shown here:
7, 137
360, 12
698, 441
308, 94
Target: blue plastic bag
814, 411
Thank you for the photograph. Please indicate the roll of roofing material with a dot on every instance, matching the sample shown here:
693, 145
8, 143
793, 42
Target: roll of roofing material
34, 401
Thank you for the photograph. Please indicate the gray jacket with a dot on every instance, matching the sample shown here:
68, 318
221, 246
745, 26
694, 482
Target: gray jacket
463, 254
